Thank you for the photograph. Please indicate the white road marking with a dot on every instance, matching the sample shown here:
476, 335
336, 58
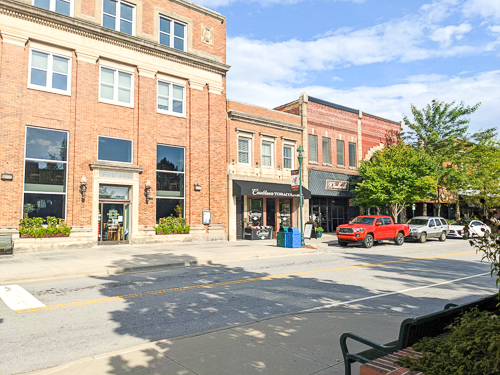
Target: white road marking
18, 298
391, 293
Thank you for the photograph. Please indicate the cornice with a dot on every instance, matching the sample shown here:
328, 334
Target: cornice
91, 30
263, 121
200, 9
111, 166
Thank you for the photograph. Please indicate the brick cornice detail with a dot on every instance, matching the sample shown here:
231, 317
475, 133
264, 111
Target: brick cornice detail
264, 121
91, 30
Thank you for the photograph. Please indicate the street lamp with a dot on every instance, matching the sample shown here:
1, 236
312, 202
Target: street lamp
300, 150
413, 209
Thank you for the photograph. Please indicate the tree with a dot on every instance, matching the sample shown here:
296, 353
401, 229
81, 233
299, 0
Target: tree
483, 169
396, 176
440, 129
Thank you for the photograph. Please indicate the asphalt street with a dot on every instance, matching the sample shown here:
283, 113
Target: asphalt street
88, 316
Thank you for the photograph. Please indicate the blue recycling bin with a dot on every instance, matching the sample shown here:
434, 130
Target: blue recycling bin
292, 238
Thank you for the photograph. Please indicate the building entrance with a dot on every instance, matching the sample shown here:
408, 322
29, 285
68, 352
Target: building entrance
114, 215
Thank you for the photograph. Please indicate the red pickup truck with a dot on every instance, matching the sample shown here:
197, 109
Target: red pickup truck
371, 228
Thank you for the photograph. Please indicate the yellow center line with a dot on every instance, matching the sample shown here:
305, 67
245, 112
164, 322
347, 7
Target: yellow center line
212, 285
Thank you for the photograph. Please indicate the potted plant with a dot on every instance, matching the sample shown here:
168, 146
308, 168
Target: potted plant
319, 232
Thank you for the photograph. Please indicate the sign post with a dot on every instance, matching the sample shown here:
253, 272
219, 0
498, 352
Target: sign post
300, 150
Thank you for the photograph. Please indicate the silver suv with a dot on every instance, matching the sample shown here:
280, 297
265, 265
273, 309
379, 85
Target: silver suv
424, 227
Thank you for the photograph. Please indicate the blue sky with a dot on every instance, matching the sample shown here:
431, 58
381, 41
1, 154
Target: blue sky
377, 56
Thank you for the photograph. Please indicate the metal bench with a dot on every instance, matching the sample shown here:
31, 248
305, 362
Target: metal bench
411, 331
6, 244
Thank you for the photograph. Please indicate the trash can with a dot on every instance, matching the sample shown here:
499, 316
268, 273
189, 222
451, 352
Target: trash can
280, 237
292, 238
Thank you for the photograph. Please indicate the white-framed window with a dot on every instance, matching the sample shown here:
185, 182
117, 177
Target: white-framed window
170, 186
50, 72
288, 156
119, 15
116, 86
171, 98
45, 172
114, 149
172, 33
244, 150
267, 154
59, 6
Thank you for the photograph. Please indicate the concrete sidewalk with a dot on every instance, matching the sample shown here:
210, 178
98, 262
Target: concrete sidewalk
116, 259
302, 344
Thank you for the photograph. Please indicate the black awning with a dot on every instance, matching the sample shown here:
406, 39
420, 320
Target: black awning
264, 189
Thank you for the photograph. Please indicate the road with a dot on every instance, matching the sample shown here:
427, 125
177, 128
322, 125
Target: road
87, 316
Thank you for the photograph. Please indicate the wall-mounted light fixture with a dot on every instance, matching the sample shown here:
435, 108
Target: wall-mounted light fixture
147, 190
7, 176
197, 187
83, 187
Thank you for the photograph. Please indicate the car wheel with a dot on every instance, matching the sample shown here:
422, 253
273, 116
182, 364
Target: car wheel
442, 238
368, 241
400, 239
342, 243
423, 237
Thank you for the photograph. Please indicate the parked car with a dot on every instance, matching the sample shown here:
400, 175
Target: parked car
475, 228
425, 227
371, 228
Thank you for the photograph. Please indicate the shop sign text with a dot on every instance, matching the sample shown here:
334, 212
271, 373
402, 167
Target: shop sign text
337, 185
274, 193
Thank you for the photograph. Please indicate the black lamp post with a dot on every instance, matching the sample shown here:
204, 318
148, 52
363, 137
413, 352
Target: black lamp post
300, 150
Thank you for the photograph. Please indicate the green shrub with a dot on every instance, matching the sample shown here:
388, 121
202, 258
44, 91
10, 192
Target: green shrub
34, 227
471, 347
319, 229
171, 224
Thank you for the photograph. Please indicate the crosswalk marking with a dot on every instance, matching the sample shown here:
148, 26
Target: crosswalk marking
18, 298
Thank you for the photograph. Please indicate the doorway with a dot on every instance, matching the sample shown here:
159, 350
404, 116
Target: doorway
239, 218
114, 223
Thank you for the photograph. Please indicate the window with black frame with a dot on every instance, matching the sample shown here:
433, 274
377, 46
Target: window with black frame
170, 174
45, 173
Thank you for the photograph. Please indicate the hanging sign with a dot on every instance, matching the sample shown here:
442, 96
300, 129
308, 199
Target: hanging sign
295, 181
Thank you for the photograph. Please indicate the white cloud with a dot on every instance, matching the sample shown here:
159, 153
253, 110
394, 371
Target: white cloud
483, 8
494, 29
390, 101
446, 35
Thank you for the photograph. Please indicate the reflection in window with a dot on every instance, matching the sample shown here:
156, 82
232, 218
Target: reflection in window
116, 86
50, 71
169, 180
255, 213
118, 15
45, 172
58, 6
170, 98
113, 192
114, 149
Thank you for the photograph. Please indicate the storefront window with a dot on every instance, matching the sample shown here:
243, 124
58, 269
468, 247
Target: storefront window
286, 212
169, 180
45, 173
255, 211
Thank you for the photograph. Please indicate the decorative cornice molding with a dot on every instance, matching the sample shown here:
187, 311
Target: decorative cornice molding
15, 39
120, 167
264, 121
94, 31
200, 9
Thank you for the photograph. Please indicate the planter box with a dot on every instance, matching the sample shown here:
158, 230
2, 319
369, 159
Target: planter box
26, 235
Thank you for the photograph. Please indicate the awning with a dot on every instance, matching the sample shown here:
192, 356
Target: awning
264, 189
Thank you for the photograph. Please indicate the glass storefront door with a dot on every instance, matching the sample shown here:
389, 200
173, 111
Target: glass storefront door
114, 215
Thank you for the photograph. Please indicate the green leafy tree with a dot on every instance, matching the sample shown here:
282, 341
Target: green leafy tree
396, 176
482, 160
440, 129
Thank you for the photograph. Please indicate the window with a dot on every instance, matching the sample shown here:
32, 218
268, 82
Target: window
119, 15
169, 180
114, 149
326, 151
287, 157
313, 148
116, 86
60, 6
387, 221
352, 154
45, 173
49, 71
172, 34
170, 98
340, 152
244, 151
267, 154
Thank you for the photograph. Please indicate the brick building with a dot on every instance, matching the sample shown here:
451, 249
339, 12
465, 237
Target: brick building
125, 99
261, 152
338, 138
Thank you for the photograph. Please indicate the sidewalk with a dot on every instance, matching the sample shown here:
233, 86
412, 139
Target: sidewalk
116, 259
301, 344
